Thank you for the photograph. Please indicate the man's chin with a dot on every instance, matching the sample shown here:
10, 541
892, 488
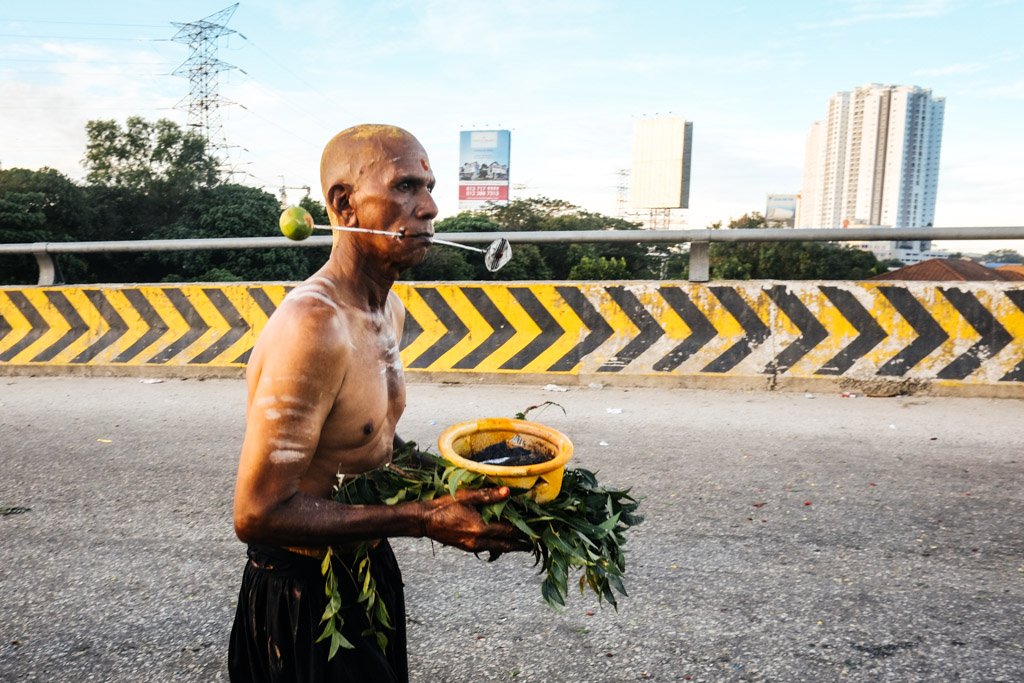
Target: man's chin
414, 255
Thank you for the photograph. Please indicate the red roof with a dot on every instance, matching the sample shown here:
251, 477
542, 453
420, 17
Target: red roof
944, 270
1013, 268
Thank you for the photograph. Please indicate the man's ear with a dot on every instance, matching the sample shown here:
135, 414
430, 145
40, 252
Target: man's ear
338, 200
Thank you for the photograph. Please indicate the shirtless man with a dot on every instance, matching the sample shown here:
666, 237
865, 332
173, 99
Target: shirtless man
326, 392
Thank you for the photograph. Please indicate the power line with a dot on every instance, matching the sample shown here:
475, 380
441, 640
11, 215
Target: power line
77, 61
29, 37
94, 72
76, 23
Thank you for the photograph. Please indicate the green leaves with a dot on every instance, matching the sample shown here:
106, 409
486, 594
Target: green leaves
144, 153
331, 615
376, 611
456, 477
787, 260
581, 530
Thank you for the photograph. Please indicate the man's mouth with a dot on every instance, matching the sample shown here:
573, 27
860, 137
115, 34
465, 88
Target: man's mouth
405, 233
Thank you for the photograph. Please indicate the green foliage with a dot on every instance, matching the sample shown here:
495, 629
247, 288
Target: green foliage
144, 155
40, 206
599, 268
22, 217
332, 613
443, 264
466, 222
541, 261
788, 260
1002, 256
229, 211
582, 529
677, 264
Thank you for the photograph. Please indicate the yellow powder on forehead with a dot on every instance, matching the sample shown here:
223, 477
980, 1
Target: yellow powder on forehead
354, 150
372, 130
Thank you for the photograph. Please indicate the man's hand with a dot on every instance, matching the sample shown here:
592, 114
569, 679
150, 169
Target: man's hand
455, 521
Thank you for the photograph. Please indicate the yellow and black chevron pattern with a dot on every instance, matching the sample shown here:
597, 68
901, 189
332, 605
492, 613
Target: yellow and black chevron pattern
213, 325
969, 333
961, 332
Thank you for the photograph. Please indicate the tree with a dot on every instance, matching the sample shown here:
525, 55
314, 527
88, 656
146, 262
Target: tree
40, 206
600, 268
442, 264
144, 155
141, 176
229, 211
1002, 256
788, 260
677, 263
546, 214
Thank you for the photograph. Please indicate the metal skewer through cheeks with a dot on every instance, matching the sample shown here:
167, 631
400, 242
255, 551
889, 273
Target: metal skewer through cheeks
296, 223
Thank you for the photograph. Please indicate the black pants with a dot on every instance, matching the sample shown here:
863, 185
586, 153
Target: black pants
278, 621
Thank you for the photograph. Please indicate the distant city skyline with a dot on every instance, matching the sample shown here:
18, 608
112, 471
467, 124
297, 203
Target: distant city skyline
568, 79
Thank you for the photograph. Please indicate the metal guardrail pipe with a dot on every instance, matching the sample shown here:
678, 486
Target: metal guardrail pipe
742, 235
699, 240
160, 245
49, 271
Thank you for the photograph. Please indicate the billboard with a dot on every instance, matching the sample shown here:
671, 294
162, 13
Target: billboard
483, 167
660, 178
780, 211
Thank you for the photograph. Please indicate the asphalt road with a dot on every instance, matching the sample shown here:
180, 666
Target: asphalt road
787, 538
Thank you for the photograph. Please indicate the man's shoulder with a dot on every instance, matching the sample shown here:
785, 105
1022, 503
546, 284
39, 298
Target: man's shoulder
309, 316
313, 297
396, 303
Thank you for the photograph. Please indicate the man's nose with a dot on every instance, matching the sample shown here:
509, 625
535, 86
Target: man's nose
427, 208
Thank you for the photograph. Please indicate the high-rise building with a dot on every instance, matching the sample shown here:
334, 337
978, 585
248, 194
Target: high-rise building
661, 163
874, 159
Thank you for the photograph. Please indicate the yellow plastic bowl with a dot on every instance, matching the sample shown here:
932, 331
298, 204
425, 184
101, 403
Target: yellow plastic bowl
460, 442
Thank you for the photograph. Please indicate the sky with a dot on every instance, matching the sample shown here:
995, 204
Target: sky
568, 78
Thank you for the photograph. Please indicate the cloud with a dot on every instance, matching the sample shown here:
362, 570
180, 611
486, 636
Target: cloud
1010, 91
977, 65
952, 69
44, 108
879, 10
476, 29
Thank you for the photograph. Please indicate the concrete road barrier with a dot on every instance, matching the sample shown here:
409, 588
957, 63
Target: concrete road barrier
879, 338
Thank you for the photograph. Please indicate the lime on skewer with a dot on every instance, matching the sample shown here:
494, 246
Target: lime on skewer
296, 223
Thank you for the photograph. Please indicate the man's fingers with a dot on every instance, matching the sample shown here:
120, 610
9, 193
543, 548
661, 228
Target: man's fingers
506, 543
483, 496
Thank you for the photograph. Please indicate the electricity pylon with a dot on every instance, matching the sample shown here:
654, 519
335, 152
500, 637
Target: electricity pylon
202, 68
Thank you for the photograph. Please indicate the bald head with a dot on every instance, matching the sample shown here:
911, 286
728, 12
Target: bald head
355, 152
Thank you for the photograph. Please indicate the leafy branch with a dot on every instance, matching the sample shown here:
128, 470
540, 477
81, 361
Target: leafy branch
583, 529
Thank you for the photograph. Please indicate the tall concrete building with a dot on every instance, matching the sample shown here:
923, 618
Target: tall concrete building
874, 159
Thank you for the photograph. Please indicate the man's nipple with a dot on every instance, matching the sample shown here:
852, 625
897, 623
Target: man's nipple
368, 428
